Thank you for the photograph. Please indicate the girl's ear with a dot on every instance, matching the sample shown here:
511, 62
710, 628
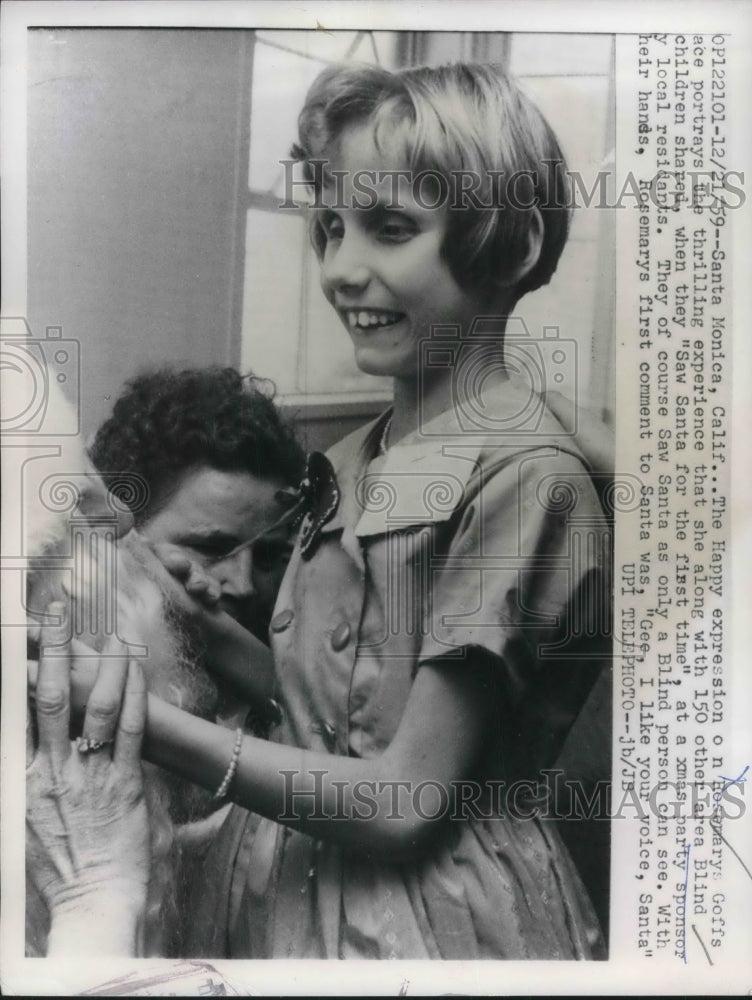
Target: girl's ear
534, 245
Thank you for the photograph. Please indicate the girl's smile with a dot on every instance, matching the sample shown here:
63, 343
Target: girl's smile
365, 319
382, 267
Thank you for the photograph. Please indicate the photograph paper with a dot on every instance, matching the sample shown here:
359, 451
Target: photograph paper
538, 558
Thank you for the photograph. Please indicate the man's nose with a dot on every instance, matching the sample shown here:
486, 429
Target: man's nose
345, 267
235, 574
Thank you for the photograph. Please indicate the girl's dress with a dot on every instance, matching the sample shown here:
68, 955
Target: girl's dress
456, 543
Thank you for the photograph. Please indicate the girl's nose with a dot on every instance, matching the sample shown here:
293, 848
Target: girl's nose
345, 266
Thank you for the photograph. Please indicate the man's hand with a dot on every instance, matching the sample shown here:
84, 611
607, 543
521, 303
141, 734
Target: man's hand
88, 848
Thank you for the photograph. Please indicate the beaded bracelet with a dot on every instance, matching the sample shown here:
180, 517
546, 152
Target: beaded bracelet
221, 792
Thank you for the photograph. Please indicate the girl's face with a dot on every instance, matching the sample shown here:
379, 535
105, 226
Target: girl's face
382, 268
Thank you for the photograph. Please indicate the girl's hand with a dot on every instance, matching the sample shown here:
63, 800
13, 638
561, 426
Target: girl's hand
197, 582
230, 652
88, 847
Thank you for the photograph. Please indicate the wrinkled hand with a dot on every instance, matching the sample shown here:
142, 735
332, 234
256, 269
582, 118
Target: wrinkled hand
88, 848
84, 670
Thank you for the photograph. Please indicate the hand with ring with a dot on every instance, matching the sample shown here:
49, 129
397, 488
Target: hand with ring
88, 849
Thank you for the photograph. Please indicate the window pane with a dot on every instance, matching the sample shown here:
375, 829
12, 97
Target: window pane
285, 64
331, 46
583, 137
280, 82
271, 303
551, 55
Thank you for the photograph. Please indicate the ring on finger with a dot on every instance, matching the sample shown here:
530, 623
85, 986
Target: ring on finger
87, 744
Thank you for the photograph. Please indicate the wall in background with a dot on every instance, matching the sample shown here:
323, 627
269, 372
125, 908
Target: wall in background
570, 77
132, 222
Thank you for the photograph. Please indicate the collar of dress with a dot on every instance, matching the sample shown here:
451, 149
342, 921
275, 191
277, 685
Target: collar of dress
423, 479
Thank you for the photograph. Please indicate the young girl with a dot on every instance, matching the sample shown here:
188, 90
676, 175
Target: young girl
437, 630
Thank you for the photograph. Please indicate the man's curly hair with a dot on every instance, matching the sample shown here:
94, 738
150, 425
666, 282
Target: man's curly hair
167, 421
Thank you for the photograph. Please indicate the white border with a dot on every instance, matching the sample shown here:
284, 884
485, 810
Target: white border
41, 977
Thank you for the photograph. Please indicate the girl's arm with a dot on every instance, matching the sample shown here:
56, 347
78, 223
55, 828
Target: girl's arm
366, 804
235, 656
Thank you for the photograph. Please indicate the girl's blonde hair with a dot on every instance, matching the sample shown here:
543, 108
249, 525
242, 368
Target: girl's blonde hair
458, 119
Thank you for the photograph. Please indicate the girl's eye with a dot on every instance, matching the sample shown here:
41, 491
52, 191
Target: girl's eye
332, 225
397, 228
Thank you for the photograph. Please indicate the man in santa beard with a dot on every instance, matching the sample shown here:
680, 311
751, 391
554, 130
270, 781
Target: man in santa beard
201, 457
